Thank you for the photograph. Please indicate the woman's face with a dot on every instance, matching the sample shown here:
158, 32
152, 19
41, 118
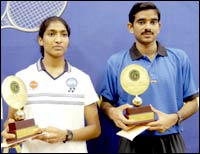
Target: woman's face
55, 40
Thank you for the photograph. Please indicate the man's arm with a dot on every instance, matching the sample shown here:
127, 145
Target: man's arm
166, 121
189, 108
116, 114
106, 107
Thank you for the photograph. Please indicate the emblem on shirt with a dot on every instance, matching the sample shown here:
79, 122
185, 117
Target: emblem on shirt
33, 84
14, 87
72, 84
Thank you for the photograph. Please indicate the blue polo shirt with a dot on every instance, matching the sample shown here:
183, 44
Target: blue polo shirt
171, 81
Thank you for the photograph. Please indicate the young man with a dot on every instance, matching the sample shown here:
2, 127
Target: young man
61, 98
171, 84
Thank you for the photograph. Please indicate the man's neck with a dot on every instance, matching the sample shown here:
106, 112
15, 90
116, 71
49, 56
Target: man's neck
147, 49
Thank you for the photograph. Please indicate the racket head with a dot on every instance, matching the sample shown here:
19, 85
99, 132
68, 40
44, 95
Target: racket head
28, 15
5, 21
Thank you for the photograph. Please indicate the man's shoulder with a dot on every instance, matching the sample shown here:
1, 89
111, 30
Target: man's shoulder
176, 52
172, 49
119, 55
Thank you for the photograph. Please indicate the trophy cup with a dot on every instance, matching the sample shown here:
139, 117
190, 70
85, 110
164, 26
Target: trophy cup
15, 95
134, 79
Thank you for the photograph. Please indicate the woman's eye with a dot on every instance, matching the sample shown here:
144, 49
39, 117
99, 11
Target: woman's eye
51, 34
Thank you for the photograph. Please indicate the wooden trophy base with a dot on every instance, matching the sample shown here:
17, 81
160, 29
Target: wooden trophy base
23, 130
141, 115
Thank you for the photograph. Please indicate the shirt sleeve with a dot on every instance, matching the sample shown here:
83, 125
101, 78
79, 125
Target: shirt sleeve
90, 93
109, 84
190, 86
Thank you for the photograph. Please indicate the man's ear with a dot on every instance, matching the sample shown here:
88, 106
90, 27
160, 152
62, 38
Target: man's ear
130, 28
159, 27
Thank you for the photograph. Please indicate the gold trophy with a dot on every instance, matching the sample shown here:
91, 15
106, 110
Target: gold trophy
135, 80
15, 95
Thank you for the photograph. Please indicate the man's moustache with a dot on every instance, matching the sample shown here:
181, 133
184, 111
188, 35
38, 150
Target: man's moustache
147, 32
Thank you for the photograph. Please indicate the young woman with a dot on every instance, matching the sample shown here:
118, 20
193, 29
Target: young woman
61, 98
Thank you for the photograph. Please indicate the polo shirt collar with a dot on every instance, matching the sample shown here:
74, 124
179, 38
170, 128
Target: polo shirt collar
40, 66
135, 54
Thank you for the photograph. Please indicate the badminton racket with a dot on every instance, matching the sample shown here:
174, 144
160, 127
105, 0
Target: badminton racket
28, 15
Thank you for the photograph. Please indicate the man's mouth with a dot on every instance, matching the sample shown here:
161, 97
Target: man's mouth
58, 47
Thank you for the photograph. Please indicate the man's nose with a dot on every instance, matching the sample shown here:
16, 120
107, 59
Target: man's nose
148, 26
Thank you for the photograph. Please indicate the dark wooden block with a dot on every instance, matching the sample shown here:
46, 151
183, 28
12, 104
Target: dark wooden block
21, 124
22, 129
141, 115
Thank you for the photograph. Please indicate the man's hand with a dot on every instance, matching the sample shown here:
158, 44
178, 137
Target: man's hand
164, 122
116, 114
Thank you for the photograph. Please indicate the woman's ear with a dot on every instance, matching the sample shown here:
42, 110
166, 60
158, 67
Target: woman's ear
40, 41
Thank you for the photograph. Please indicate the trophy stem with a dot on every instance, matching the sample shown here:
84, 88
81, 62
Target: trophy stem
19, 115
137, 101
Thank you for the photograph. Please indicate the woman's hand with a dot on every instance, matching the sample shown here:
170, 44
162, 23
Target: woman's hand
52, 134
5, 133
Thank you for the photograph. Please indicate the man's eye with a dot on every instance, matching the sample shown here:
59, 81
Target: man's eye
141, 22
154, 22
65, 35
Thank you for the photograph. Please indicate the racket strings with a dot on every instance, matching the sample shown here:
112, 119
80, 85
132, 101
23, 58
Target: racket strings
5, 21
30, 14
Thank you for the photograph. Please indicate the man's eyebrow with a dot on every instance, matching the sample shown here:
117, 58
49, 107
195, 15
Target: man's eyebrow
141, 19
154, 19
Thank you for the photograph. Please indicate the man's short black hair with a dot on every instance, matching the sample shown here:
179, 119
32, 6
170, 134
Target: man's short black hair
140, 7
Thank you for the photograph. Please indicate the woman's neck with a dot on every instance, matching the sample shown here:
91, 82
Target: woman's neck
55, 67
53, 62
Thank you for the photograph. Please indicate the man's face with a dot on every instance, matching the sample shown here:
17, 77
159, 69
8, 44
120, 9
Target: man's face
145, 26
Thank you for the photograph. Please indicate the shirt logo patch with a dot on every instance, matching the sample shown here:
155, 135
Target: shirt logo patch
33, 84
72, 84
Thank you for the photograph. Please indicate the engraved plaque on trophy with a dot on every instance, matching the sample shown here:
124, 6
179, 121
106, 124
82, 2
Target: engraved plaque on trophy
15, 95
134, 79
